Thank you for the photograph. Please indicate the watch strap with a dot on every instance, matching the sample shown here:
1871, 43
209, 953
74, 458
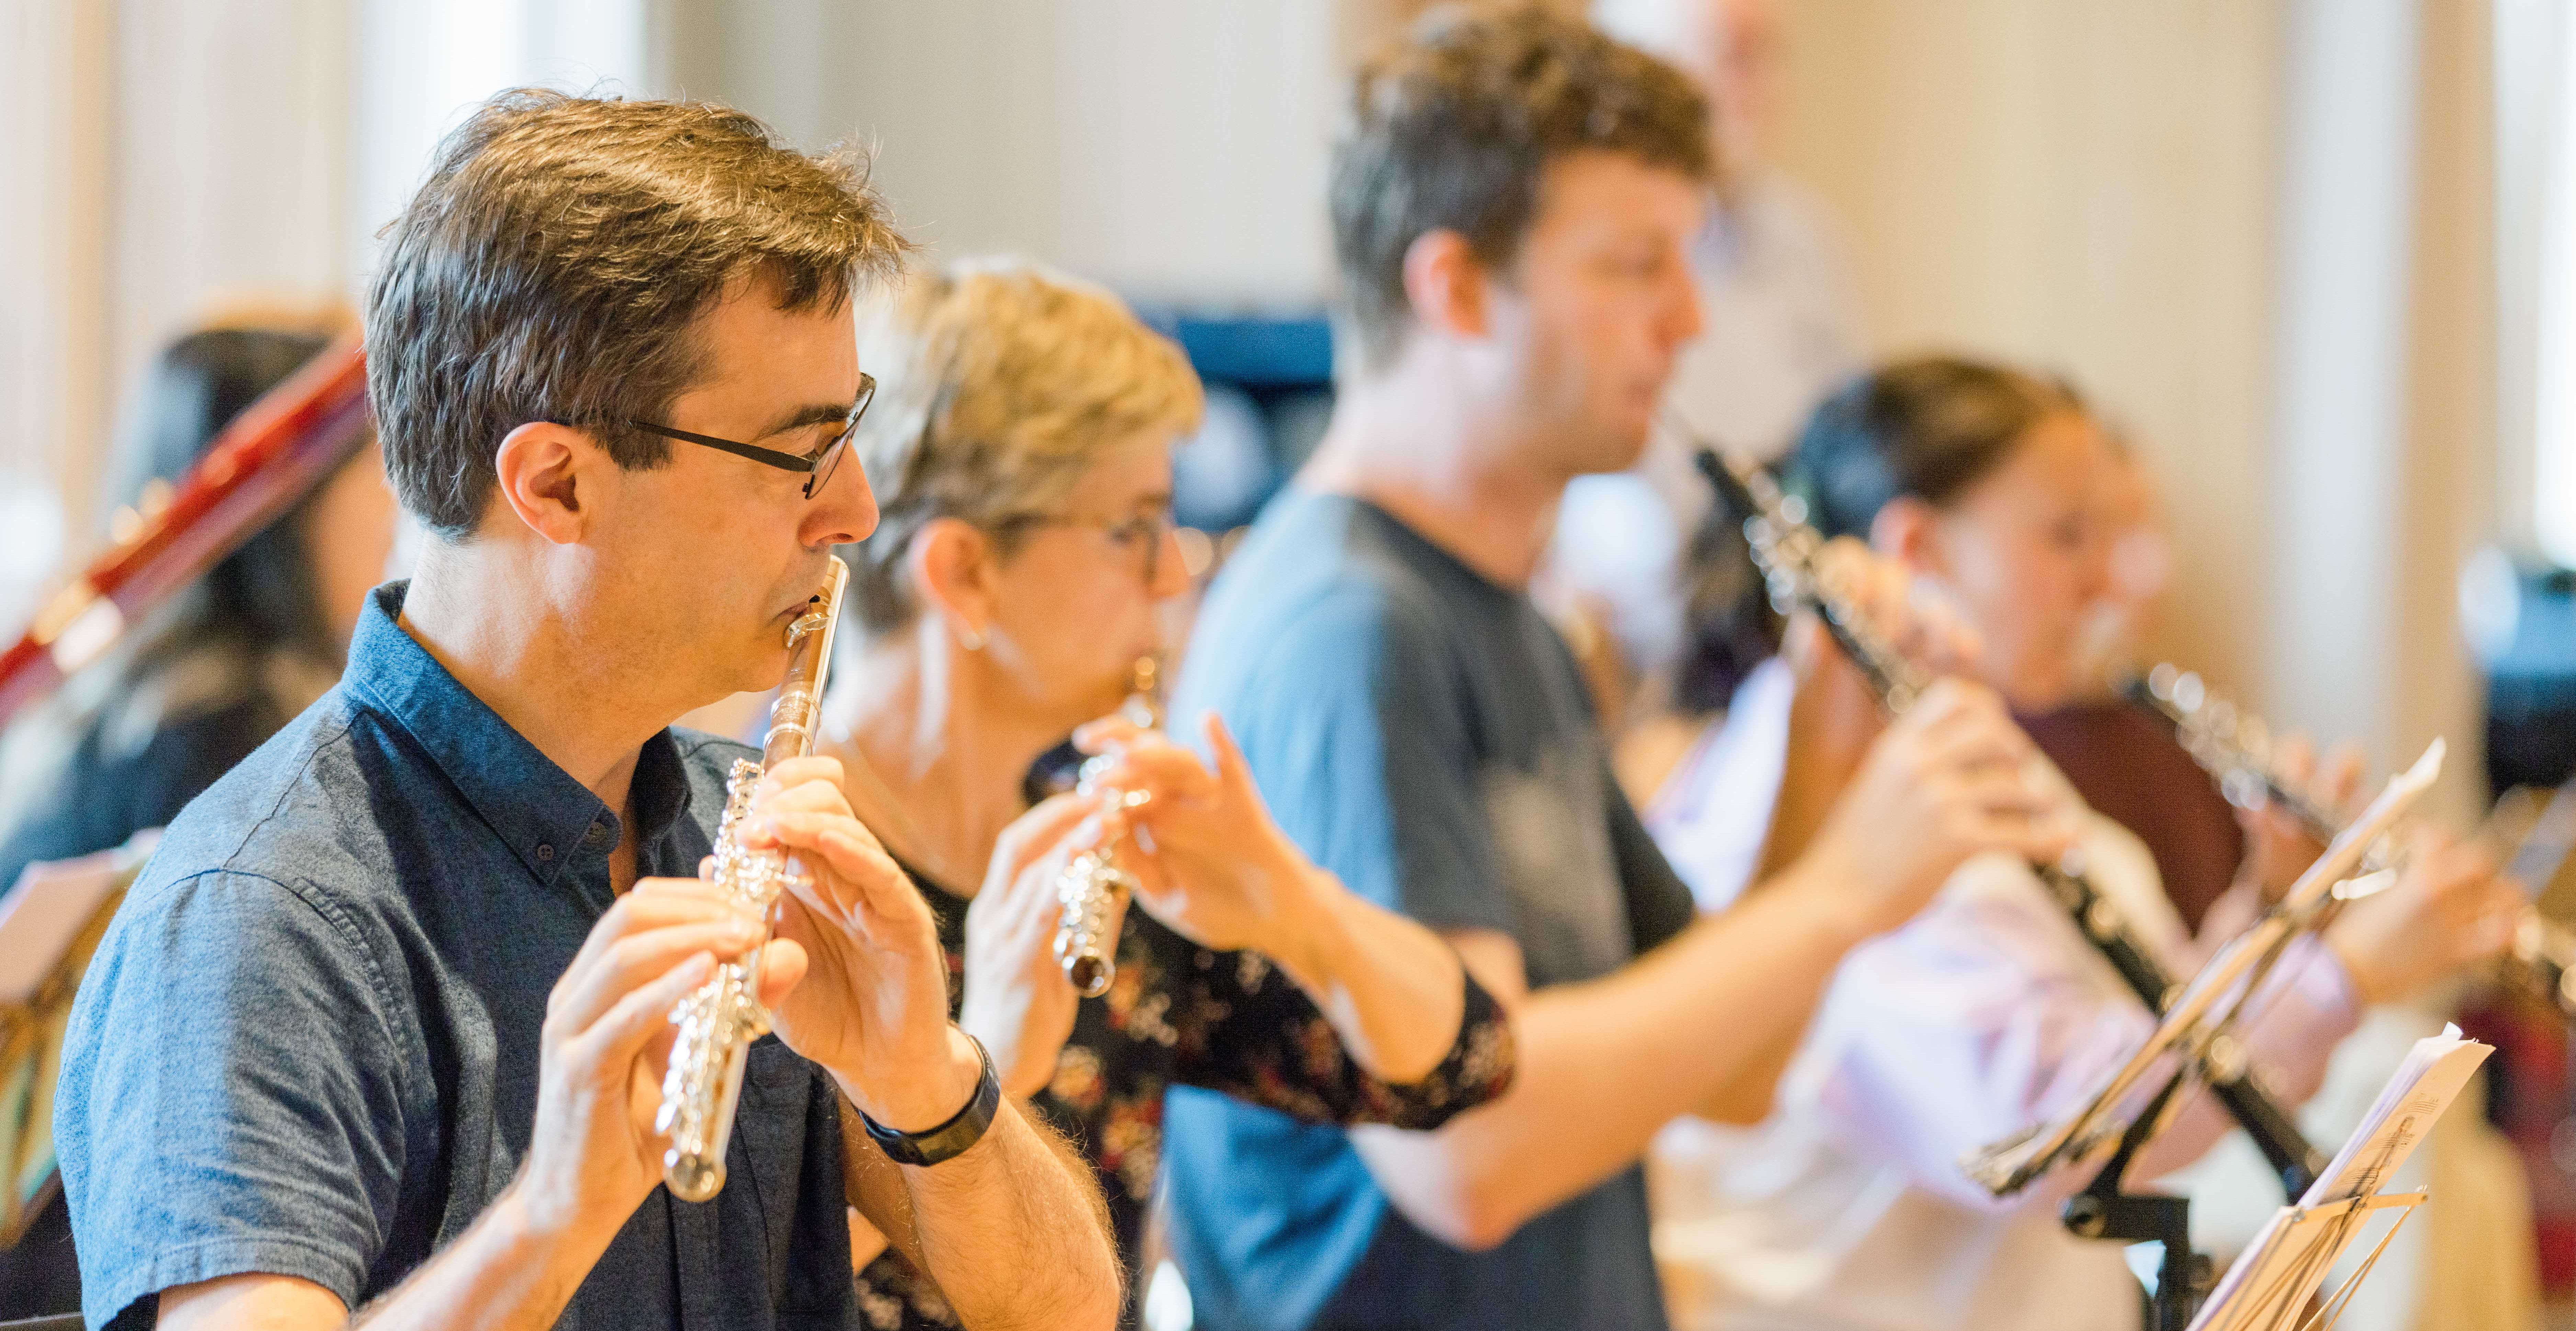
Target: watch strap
952, 1138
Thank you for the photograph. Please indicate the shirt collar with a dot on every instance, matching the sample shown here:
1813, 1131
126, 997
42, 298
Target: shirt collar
536, 808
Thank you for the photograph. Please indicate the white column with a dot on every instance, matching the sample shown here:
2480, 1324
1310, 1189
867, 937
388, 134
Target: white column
2339, 424
56, 118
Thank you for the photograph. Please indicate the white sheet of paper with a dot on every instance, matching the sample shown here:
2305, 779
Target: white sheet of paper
44, 912
2269, 1285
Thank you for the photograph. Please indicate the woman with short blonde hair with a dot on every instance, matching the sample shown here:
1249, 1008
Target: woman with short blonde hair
1019, 448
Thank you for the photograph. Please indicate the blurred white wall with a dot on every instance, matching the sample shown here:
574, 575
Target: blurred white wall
2257, 231
1171, 148
2259, 235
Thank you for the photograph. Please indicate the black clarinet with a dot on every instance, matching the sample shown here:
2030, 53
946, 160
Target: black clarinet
1785, 547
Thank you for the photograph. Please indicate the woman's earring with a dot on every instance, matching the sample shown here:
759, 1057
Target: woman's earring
970, 640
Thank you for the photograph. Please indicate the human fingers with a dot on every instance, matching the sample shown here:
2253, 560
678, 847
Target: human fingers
652, 903
803, 785
761, 830
1107, 734
790, 773
783, 964
1232, 771
635, 961
1159, 771
1950, 698
1034, 834
2038, 835
1975, 737
860, 875
612, 1043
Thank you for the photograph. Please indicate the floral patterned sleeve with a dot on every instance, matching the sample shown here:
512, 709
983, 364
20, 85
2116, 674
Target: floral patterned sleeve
1241, 1026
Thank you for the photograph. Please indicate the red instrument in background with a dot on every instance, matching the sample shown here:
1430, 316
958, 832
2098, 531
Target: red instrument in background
273, 455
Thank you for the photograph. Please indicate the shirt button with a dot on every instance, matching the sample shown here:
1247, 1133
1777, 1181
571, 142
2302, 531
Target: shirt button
598, 832
545, 853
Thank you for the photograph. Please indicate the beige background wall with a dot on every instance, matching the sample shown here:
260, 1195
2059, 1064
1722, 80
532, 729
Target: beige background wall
2289, 311
2103, 187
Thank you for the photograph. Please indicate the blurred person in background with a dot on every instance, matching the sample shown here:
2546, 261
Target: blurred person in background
1781, 326
2470, 1263
206, 677
1020, 449
1846, 1207
1513, 199
2125, 763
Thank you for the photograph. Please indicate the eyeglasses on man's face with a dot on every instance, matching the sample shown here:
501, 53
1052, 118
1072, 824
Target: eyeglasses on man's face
815, 466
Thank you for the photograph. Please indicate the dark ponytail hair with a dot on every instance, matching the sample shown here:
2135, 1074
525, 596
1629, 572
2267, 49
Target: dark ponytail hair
1928, 428
264, 593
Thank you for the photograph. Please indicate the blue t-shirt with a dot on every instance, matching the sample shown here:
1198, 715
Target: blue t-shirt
308, 1043
1424, 734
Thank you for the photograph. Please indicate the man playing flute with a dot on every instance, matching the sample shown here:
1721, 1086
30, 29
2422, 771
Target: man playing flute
381, 1029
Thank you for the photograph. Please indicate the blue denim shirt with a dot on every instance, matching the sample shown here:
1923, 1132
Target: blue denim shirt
308, 1044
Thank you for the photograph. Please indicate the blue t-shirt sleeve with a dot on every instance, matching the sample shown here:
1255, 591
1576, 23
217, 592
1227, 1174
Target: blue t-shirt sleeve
230, 1099
1659, 902
1358, 734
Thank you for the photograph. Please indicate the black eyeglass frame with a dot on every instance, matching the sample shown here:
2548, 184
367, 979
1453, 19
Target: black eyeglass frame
816, 466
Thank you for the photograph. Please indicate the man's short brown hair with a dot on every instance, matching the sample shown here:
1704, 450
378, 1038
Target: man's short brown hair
1455, 127
554, 264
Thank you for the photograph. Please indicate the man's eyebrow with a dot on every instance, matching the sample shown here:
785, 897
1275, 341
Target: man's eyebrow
818, 413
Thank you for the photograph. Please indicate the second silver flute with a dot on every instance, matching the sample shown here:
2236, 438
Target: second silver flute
719, 1019
1092, 885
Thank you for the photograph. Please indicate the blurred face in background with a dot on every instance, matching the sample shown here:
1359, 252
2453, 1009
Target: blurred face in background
2140, 564
2024, 554
1599, 302
1076, 592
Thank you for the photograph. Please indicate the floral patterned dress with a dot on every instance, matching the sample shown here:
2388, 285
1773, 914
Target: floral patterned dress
1181, 1013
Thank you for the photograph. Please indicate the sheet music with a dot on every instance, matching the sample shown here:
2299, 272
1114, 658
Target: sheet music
2422, 1087
44, 912
2010, 1165
2269, 1286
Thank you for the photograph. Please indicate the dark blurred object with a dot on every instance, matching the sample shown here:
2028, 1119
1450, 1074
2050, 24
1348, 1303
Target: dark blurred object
205, 628
2519, 616
2130, 769
282, 447
2520, 620
1270, 392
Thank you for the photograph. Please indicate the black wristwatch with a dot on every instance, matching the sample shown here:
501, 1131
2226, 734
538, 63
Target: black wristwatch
950, 1139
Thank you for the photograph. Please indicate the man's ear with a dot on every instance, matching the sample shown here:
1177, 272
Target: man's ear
1908, 531
1446, 284
951, 564
552, 478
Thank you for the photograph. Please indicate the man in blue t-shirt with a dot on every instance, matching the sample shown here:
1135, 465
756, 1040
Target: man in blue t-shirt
1513, 205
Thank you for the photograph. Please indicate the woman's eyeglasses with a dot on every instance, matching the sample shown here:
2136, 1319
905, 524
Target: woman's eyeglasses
1151, 531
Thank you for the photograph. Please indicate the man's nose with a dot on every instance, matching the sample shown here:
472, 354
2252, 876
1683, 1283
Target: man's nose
843, 512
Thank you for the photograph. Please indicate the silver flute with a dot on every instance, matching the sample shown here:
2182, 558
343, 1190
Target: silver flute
719, 1019
1092, 885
